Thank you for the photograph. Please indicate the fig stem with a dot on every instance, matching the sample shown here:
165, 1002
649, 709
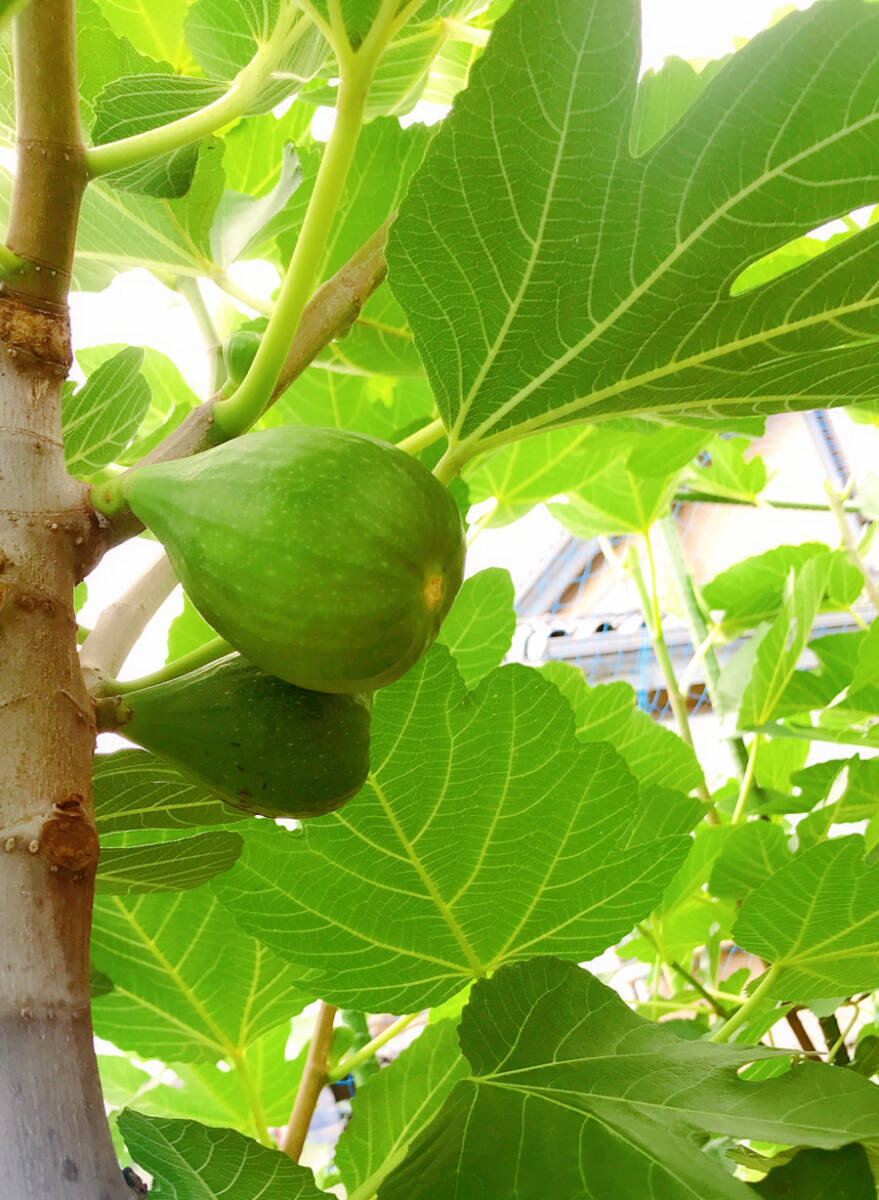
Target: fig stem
365, 1053
422, 438
200, 657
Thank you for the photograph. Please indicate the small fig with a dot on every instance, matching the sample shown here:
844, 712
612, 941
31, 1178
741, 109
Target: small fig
262, 745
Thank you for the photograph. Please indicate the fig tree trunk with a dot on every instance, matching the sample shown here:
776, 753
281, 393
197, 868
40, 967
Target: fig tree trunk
54, 1140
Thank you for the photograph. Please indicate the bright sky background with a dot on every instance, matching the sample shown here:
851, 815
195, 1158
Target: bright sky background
138, 310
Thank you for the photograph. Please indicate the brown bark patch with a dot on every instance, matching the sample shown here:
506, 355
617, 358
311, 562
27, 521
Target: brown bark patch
69, 841
36, 338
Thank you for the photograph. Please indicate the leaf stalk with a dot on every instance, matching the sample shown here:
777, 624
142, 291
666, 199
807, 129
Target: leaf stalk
202, 656
422, 438
235, 414
365, 1053
141, 147
747, 1010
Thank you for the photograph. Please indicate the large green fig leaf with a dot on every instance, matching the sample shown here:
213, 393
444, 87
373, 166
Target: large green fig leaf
604, 1103
396, 1104
594, 283
752, 590
189, 1160
485, 833
136, 790
174, 997
817, 923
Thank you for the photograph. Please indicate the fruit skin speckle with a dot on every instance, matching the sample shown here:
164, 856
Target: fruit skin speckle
326, 557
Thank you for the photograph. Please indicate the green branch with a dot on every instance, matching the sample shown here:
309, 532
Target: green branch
189, 289
653, 618
691, 497
751, 1005
247, 85
365, 1053
699, 631
747, 780
422, 438
848, 543
236, 414
200, 657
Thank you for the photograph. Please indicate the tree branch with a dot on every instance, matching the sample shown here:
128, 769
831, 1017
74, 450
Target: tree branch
314, 1077
119, 626
330, 314
50, 170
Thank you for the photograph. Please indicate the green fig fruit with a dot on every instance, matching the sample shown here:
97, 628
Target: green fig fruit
325, 557
239, 352
259, 743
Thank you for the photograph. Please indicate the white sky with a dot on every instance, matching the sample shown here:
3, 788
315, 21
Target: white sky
138, 310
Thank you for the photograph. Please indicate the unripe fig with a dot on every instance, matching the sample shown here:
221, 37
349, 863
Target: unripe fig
325, 557
239, 352
259, 743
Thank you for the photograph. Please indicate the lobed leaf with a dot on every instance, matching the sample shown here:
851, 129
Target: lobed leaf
485, 832
816, 920
595, 283
573, 1092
